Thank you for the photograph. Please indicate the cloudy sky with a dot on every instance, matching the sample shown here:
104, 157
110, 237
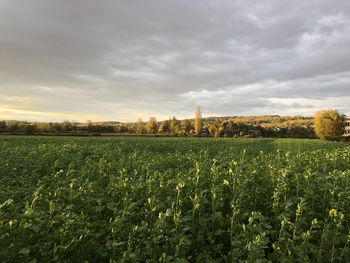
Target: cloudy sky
125, 59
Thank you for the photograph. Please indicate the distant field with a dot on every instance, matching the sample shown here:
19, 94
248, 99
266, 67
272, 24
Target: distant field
65, 199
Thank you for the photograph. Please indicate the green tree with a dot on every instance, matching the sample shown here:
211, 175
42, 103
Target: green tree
329, 124
198, 123
89, 126
151, 126
2, 125
67, 125
12, 126
44, 127
26, 128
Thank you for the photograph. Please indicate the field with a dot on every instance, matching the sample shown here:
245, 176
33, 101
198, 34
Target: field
173, 200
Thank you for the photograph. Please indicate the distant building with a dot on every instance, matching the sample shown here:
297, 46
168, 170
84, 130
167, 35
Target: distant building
204, 132
347, 128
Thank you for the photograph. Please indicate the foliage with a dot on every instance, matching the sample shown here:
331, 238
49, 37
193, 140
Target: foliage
164, 127
186, 126
151, 126
216, 129
173, 200
174, 126
268, 126
329, 125
198, 124
140, 126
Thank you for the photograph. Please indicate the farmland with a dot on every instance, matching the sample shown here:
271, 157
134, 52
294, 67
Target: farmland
173, 200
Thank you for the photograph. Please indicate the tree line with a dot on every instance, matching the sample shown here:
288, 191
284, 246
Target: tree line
325, 125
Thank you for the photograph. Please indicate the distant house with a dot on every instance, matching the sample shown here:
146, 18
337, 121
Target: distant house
347, 128
204, 132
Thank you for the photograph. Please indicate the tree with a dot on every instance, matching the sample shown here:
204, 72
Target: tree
3, 125
329, 124
25, 128
198, 124
121, 128
140, 126
174, 126
89, 126
43, 127
216, 129
66, 125
164, 127
212, 130
151, 126
12, 126
186, 126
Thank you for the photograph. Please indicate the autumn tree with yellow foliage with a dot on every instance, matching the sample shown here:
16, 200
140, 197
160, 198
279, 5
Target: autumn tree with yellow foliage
152, 126
198, 123
329, 125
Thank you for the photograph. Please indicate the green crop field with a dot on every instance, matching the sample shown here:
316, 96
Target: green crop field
65, 199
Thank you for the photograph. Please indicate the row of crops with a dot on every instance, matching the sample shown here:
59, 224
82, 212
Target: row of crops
173, 200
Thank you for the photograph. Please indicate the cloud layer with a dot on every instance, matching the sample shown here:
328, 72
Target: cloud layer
120, 60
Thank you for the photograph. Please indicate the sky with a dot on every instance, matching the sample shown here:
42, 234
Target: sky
128, 59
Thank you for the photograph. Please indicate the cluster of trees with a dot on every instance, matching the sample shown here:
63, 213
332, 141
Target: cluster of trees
18, 127
267, 120
327, 125
168, 127
221, 127
172, 126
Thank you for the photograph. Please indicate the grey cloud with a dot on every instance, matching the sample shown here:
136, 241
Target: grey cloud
233, 57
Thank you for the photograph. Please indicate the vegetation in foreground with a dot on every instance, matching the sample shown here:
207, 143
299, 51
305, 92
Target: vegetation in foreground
173, 200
